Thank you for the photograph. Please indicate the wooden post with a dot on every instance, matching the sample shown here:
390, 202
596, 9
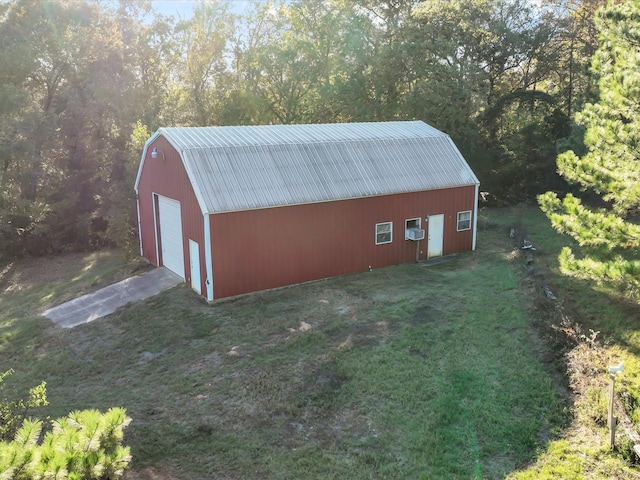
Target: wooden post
611, 420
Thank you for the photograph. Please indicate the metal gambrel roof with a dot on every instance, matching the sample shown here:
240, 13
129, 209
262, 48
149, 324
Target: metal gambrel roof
251, 167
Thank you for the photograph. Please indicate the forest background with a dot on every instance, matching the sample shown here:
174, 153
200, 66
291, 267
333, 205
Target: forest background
83, 83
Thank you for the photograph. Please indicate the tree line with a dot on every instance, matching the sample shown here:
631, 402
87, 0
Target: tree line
83, 83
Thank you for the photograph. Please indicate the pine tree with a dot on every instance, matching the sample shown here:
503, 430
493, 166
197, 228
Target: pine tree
609, 237
85, 445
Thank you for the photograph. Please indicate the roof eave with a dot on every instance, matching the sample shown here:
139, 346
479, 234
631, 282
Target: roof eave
156, 135
142, 159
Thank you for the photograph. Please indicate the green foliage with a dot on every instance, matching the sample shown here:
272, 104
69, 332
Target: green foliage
14, 412
525, 125
85, 445
86, 78
66, 115
139, 136
480, 80
610, 168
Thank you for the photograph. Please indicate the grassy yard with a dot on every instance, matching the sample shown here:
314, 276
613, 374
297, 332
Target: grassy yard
412, 371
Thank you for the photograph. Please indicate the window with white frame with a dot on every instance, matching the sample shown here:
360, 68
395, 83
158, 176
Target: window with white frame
410, 224
464, 220
384, 232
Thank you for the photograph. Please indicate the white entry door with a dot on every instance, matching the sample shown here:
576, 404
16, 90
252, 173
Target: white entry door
436, 235
170, 229
194, 260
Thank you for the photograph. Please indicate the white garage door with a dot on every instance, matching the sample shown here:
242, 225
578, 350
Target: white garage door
171, 235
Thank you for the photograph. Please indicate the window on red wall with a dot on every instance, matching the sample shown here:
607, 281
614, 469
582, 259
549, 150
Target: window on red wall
384, 233
464, 220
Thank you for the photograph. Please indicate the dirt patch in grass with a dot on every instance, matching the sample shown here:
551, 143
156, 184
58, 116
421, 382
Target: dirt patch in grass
363, 334
426, 314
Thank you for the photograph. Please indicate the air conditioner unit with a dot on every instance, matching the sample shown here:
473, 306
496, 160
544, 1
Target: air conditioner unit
414, 234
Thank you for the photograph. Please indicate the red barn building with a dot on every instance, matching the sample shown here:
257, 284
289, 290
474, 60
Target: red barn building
234, 210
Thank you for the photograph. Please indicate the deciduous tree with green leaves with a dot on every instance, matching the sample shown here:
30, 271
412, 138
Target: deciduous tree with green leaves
609, 236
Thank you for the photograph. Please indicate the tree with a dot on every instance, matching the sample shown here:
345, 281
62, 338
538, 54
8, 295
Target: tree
77, 77
74, 78
84, 445
448, 83
525, 126
291, 62
609, 235
577, 43
33, 68
202, 66
482, 76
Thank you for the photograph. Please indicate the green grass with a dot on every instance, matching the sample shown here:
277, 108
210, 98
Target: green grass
403, 372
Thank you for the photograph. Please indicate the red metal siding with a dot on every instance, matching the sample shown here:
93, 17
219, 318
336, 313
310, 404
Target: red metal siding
260, 249
167, 176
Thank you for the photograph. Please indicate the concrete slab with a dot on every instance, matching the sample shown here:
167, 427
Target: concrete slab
92, 306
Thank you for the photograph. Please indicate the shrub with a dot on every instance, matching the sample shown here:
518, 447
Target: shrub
84, 445
13, 413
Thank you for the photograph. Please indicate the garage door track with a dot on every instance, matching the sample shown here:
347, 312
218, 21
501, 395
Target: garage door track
103, 302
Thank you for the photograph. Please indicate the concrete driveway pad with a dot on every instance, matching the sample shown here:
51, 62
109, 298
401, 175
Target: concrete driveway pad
103, 302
